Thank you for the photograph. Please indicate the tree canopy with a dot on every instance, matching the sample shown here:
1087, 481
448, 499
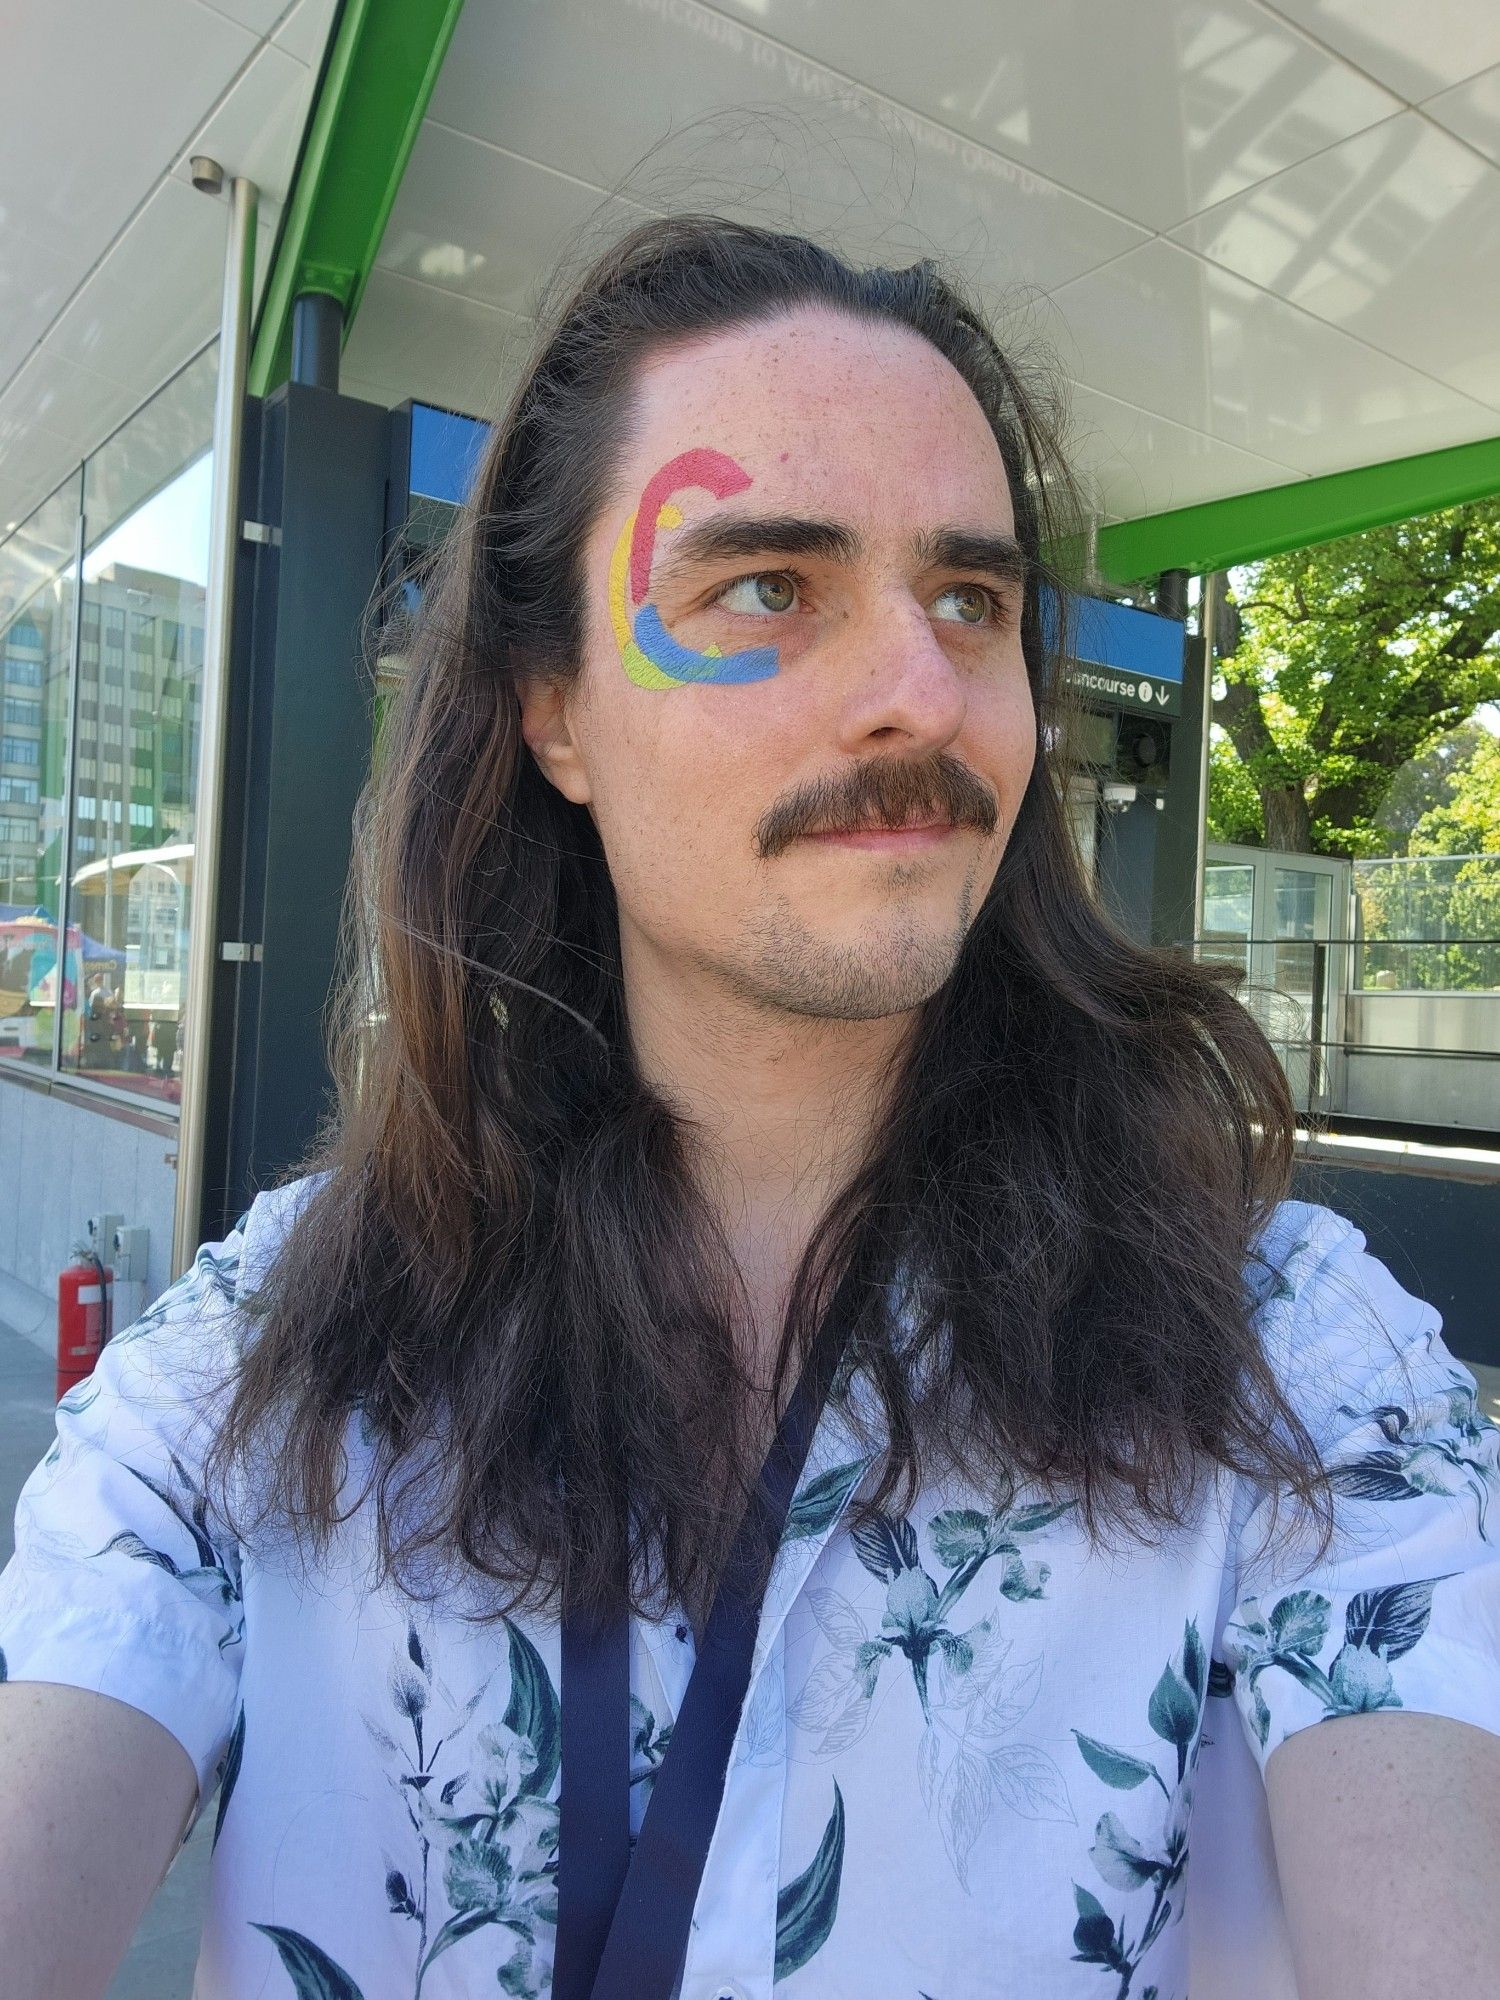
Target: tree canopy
1355, 658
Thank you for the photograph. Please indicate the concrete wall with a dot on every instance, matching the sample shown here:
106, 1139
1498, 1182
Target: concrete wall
1459, 1090
62, 1161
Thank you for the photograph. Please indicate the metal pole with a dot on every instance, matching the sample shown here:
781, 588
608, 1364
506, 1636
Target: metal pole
317, 337
1208, 605
224, 532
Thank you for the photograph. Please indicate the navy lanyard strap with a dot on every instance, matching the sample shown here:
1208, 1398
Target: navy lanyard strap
623, 1915
594, 1808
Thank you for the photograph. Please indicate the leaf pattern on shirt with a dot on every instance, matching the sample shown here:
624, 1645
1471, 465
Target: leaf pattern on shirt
1153, 1857
498, 1860
1444, 1445
215, 1577
208, 1276
314, 1975
819, 1503
1379, 1626
970, 1695
648, 1745
807, 1905
228, 1774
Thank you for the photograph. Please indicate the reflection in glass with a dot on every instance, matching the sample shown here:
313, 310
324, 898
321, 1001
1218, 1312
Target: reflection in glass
145, 572
1228, 902
38, 586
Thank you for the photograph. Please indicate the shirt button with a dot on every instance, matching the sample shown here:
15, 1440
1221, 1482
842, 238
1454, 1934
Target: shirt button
728, 1993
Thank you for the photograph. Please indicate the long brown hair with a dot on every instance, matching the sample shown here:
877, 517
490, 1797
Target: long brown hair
506, 1255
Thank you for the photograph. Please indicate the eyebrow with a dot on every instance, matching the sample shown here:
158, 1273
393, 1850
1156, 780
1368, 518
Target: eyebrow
730, 537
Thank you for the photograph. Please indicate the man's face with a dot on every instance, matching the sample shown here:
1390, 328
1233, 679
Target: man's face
853, 656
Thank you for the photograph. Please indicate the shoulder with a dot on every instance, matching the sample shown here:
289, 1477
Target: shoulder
266, 1224
1333, 1319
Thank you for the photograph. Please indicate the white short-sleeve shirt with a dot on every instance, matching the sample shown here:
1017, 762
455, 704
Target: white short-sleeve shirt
978, 1756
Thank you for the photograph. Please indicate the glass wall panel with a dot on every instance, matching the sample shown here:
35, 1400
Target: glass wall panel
38, 587
145, 573
1228, 925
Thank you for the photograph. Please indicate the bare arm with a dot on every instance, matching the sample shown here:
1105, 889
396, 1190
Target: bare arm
1387, 1835
95, 1799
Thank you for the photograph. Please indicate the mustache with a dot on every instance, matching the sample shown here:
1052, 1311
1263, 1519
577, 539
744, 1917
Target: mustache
884, 792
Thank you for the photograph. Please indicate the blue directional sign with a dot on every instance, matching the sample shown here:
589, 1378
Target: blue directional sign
1123, 656
445, 450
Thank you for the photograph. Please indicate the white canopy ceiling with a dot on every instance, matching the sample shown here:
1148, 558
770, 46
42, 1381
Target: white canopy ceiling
111, 263
1263, 241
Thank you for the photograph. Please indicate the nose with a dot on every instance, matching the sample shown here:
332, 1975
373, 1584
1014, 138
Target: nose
895, 679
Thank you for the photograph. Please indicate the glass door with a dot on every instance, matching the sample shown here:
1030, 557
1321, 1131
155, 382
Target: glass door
1284, 919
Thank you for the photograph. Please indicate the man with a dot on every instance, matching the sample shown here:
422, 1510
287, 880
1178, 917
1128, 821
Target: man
744, 1012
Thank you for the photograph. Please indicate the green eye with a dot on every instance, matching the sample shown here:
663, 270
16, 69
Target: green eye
769, 590
973, 602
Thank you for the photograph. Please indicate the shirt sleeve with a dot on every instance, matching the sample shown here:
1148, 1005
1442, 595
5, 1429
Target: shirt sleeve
123, 1581
1404, 1611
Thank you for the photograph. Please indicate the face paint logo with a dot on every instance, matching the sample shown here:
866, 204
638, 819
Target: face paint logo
648, 652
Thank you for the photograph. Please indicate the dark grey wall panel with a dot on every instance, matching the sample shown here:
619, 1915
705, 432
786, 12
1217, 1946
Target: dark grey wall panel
1440, 1238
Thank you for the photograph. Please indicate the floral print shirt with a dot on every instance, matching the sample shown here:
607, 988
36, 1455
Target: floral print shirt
977, 1756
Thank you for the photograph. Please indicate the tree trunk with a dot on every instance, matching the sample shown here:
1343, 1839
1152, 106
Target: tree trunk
1288, 825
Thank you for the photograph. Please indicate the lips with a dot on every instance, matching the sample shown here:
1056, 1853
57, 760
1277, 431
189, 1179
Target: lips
881, 826
912, 838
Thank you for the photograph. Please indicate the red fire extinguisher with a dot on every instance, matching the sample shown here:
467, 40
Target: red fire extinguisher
84, 1302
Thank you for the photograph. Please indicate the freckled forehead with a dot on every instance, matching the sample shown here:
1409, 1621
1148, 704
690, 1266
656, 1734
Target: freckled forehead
822, 408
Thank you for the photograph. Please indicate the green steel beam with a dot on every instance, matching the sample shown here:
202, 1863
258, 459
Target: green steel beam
1247, 526
375, 87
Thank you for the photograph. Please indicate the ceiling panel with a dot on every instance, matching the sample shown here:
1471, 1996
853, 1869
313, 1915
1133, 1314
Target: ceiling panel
482, 223
36, 463
260, 16
60, 396
1330, 296
111, 264
303, 30
589, 87
418, 340
141, 333
152, 66
1413, 49
1472, 110
1154, 109
1133, 462
255, 127
1368, 235
1162, 329
35, 280
489, 224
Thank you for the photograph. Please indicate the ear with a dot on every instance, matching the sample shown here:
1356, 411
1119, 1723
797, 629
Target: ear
544, 726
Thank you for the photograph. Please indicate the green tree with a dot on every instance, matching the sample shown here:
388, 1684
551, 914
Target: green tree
1467, 821
1468, 824
1444, 773
1355, 657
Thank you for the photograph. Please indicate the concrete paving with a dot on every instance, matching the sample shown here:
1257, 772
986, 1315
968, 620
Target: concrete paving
159, 1964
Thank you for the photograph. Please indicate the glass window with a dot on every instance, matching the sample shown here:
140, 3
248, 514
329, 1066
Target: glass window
1228, 894
145, 571
37, 597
